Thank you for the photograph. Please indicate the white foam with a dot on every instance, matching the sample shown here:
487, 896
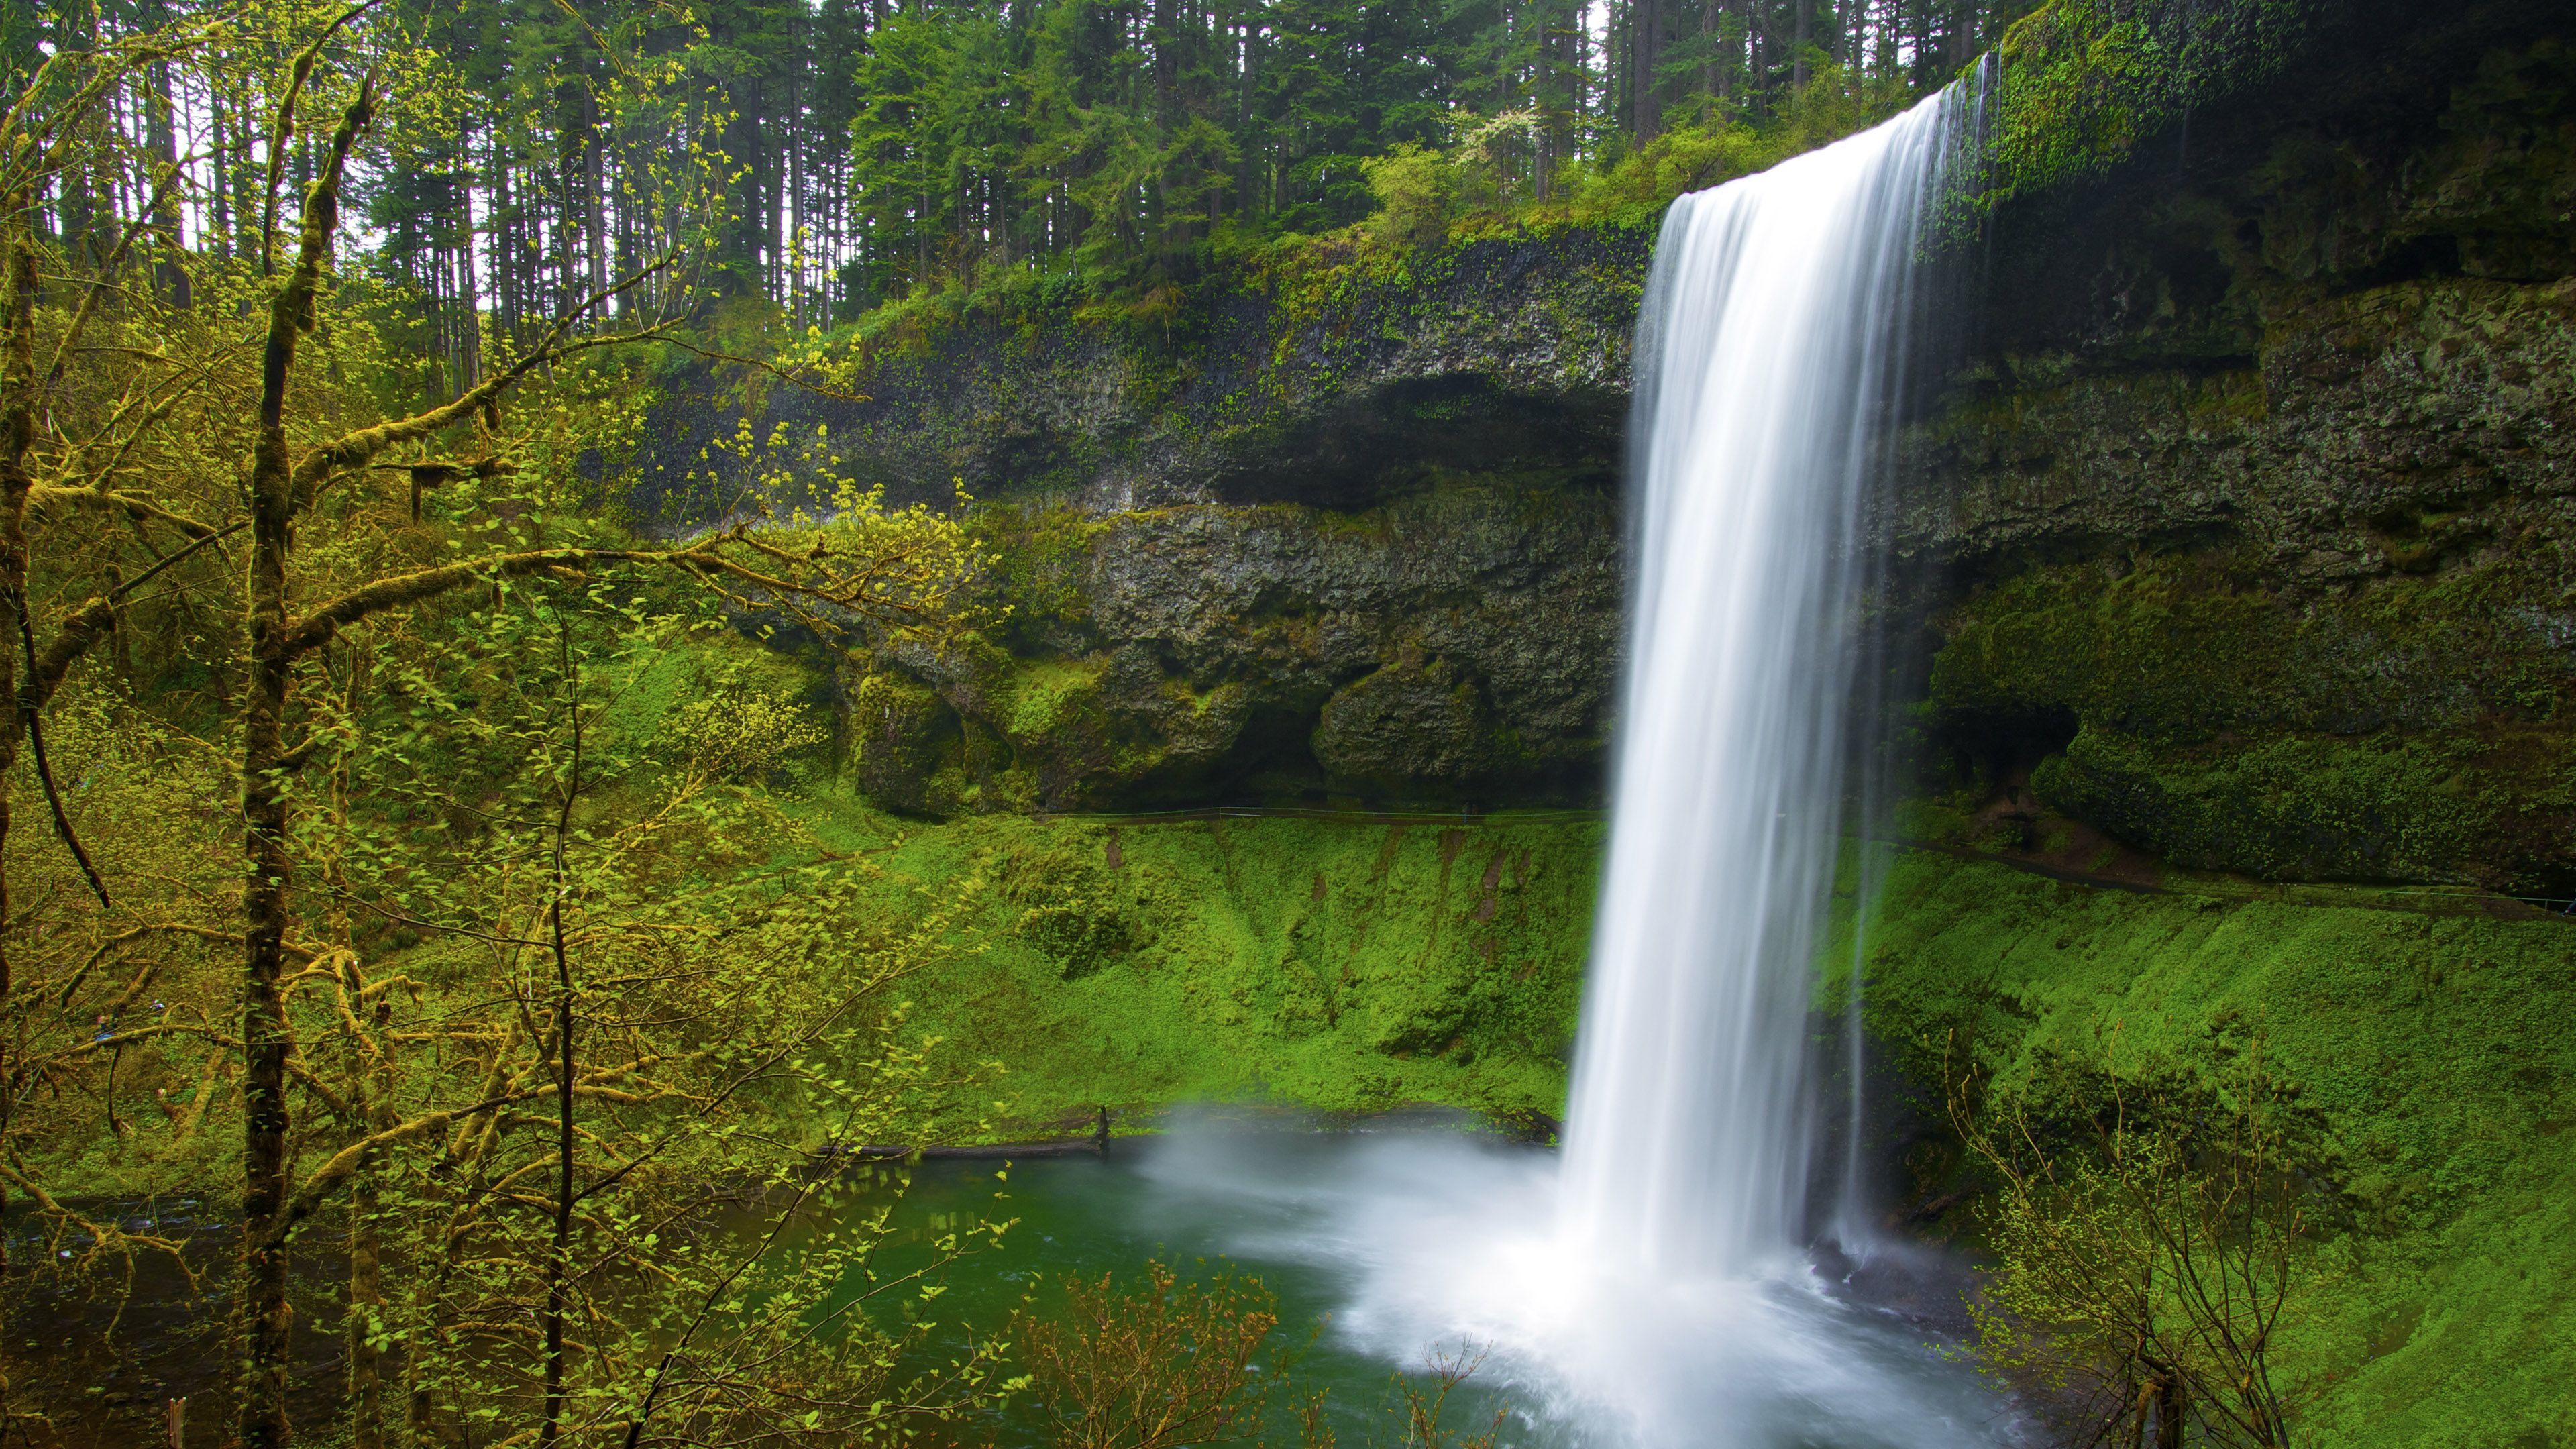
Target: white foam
1442, 1244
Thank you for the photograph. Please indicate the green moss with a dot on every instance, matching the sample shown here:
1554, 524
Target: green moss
1345, 967
905, 746
2384, 807
706, 662
1046, 694
2413, 730
2084, 82
1038, 558
2429, 1046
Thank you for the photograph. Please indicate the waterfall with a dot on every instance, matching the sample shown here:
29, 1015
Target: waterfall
1644, 1288
1766, 355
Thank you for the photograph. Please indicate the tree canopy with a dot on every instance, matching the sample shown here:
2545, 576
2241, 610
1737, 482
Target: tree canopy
836, 155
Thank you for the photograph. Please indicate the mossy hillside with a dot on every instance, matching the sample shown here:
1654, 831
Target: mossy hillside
2419, 728
2428, 1045
1317, 964
1345, 966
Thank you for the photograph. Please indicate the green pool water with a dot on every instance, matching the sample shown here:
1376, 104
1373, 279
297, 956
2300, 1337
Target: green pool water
1386, 1248
1090, 1215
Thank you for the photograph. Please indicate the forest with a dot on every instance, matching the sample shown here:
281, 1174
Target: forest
864, 152
482, 958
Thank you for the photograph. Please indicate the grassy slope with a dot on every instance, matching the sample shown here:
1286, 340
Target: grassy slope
1341, 967
2433, 1044
2436, 1047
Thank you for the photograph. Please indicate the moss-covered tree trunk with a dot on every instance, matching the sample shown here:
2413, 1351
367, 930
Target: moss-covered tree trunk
268, 1319
17, 435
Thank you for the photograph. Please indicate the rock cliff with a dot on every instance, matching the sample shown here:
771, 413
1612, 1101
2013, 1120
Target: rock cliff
2241, 521
2255, 511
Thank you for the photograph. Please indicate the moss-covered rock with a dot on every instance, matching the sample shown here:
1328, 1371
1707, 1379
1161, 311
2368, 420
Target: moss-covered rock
1453, 644
2256, 515
2253, 502
2420, 729
1412, 719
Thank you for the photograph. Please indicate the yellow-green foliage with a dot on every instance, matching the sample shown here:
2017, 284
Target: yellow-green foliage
2430, 1047
1707, 150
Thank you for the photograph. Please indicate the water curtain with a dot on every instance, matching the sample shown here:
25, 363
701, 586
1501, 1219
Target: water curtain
1768, 351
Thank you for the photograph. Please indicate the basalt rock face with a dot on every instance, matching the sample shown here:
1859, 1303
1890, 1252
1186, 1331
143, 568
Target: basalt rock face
2244, 531
1452, 645
1347, 529
2255, 516
1338, 381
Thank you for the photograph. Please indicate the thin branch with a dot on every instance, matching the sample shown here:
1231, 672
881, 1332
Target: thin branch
355, 449
283, 134
134, 504
773, 369
44, 767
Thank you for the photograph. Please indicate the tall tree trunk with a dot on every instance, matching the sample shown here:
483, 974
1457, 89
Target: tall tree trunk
74, 189
219, 196
1647, 19
1798, 37
1712, 71
469, 292
505, 252
162, 123
594, 153
17, 437
2169, 1410
268, 1319
267, 1316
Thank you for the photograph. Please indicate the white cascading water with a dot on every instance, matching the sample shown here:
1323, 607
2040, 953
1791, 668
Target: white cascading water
1646, 1288
1763, 357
